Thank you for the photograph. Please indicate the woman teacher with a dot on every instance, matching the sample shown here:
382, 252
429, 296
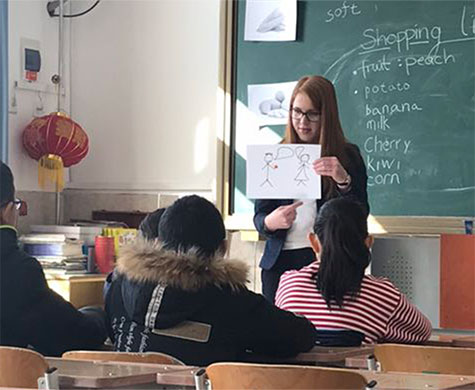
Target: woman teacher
313, 119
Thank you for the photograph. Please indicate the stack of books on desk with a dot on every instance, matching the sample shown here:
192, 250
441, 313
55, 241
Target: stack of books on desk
86, 233
55, 252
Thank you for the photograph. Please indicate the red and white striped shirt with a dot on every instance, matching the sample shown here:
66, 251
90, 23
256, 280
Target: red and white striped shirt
380, 311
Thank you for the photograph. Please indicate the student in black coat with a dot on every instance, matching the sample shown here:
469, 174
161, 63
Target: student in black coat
178, 295
31, 314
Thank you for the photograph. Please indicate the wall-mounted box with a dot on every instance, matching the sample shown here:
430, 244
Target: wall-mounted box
30, 64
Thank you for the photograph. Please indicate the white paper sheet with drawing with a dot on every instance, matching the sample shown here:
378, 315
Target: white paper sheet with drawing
270, 102
270, 20
282, 171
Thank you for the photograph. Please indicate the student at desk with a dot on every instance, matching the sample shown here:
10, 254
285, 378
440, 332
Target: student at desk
148, 229
334, 292
30, 313
180, 296
149, 226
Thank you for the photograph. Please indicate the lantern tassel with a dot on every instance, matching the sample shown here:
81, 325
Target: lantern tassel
50, 171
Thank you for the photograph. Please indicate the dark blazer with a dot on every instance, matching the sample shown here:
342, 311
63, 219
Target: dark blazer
275, 240
157, 297
33, 315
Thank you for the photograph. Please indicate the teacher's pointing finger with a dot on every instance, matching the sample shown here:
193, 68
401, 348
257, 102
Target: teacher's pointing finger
291, 212
295, 205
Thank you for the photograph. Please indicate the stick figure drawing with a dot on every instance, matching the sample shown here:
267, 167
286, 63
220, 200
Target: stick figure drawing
269, 158
304, 166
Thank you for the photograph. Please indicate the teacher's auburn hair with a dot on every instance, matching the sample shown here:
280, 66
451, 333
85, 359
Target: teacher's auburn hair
342, 230
321, 93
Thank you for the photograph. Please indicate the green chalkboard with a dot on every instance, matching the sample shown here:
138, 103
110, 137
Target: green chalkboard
404, 73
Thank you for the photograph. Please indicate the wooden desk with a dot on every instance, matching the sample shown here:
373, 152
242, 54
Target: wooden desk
332, 354
80, 290
436, 340
317, 355
184, 378
356, 357
100, 374
464, 342
360, 361
440, 340
386, 381
451, 340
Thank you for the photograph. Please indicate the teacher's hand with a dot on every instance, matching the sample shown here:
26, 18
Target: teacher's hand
330, 166
282, 217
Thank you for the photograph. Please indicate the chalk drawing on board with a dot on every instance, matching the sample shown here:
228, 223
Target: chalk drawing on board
270, 102
270, 20
282, 172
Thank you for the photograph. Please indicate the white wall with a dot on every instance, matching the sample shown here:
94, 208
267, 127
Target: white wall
29, 19
144, 82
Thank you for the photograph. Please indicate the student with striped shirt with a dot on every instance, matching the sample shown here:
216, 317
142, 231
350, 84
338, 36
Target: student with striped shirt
335, 294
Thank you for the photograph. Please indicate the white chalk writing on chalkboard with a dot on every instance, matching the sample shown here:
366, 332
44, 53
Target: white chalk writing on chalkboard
345, 10
382, 169
404, 76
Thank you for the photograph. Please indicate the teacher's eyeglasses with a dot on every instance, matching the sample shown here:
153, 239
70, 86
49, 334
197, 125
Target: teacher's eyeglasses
312, 116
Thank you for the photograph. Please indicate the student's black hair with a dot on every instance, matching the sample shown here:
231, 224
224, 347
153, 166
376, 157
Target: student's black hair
149, 225
341, 228
192, 221
7, 189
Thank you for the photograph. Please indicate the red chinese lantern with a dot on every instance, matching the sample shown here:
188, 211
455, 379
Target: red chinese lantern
57, 142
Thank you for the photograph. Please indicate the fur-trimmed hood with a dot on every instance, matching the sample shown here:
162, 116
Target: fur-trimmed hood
147, 261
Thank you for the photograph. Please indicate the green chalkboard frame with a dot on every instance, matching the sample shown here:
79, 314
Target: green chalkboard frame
418, 224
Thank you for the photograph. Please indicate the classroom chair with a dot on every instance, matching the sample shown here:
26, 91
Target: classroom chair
245, 376
21, 367
131, 357
422, 358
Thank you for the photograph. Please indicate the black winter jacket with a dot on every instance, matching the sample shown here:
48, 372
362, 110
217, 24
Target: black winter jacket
263, 207
31, 314
197, 310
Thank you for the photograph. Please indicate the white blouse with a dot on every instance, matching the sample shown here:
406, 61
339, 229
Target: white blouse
297, 236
